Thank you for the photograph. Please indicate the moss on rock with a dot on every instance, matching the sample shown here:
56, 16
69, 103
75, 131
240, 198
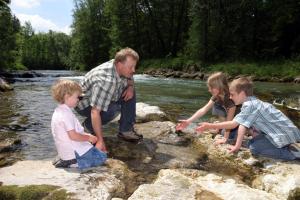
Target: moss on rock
32, 192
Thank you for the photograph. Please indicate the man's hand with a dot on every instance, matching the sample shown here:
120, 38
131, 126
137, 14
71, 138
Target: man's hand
101, 146
203, 126
128, 93
233, 149
182, 125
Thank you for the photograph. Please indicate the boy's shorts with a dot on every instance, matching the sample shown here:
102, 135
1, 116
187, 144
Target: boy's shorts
91, 158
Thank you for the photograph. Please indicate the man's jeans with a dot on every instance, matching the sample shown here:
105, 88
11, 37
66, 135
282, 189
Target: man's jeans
260, 145
127, 109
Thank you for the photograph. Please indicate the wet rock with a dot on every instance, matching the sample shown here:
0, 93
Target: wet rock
98, 183
21, 74
172, 150
220, 160
162, 132
9, 142
179, 184
4, 86
285, 79
146, 113
123, 150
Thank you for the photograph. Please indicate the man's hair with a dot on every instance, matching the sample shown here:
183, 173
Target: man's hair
63, 87
242, 84
218, 80
122, 55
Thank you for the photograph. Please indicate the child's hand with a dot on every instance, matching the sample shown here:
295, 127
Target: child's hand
203, 126
183, 124
233, 149
92, 139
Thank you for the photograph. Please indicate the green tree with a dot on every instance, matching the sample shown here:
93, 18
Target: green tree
9, 28
90, 42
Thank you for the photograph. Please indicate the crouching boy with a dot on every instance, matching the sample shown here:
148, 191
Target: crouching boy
274, 135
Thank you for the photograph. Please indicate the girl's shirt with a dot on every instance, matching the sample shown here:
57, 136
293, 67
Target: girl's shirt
63, 120
226, 103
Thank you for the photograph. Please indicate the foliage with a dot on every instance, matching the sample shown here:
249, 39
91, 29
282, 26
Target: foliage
167, 63
90, 42
225, 30
45, 50
180, 31
9, 28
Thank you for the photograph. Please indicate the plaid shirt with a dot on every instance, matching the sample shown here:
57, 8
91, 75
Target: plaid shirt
264, 117
101, 86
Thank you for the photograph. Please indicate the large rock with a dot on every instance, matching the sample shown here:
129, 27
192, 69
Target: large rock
193, 185
281, 179
146, 113
99, 183
4, 86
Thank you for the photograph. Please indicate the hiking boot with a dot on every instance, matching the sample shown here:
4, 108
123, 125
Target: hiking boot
295, 149
88, 129
130, 136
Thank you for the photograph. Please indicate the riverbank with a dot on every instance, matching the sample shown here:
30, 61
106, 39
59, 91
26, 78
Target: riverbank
283, 71
166, 165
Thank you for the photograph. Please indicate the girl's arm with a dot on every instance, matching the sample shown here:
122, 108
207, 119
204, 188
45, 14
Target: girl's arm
73, 135
202, 111
230, 115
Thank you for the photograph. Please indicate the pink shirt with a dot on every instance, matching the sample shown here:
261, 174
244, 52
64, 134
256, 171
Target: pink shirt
63, 120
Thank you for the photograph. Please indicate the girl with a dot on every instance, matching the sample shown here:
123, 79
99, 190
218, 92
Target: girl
72, 143
220, 103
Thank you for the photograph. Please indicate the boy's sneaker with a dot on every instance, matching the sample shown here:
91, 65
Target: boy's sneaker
295, 149
130, 136
64, 163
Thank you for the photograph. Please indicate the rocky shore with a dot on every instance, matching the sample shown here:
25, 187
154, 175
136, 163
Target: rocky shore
166, 165
192, 73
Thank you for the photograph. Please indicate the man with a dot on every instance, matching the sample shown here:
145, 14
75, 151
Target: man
108, 89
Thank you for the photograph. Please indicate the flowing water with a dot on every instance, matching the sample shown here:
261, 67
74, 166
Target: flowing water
28, 109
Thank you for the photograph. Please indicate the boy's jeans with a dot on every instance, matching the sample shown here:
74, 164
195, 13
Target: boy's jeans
127, 109
260, 145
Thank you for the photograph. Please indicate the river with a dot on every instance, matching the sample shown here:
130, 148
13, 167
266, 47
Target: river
28, 109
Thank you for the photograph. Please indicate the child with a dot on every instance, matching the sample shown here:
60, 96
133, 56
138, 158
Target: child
276, 135
72, 143
220, 104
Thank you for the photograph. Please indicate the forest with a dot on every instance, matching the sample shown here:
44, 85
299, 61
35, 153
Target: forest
209, 34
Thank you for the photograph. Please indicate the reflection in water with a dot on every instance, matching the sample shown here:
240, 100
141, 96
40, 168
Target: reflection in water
31, 105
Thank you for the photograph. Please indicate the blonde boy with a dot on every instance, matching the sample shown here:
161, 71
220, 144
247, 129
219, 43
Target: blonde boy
275, 136
72, 143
